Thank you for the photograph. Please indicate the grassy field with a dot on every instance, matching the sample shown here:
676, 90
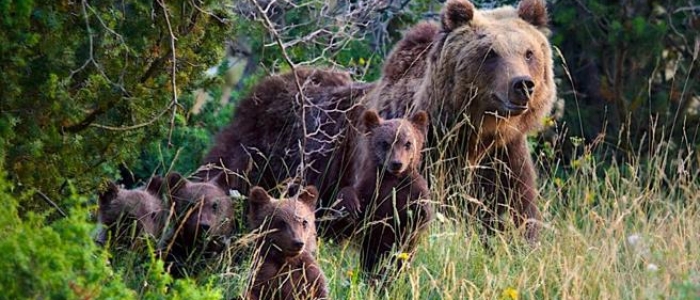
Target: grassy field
617, 232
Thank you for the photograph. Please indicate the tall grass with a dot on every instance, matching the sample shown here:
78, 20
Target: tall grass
611, 231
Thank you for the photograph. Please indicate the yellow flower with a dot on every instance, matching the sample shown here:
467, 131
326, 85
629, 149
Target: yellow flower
558, 182
361, 61
349, 273
548, 122
403, 256
509, 293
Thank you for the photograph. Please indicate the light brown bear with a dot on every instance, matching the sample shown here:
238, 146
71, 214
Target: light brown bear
486, 79
393, 196
129, 214
205, 218
284, 266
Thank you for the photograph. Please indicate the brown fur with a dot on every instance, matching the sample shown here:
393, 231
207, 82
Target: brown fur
262, 144
205, 217
391, 192
494, 67
120, 210
284, 264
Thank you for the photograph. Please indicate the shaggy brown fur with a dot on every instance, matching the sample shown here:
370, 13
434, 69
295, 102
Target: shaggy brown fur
262, 144
284, 264
494, 67
205, 217
120, 210
392, 194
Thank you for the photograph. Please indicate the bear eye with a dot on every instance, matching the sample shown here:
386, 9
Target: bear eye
385, 145
154, 215
215, 206
529, 55
305, 223
408, 145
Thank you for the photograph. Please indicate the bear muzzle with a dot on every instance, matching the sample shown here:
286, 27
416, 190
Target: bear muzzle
521, 91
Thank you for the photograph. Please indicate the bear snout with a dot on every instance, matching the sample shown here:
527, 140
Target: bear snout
521, 90
296, 246
395, 166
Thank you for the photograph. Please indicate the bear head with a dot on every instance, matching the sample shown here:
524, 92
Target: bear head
138, 211
204, 207
493, 65
288, 225
395, 145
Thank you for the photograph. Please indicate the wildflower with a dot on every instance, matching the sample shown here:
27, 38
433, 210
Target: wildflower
509, 293
558, 182
652, 268
403, 256
634, 239
361, 61
548, 122
576, 163
349, 273
440, 217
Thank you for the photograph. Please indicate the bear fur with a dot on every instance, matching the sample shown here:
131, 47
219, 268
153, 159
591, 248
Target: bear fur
263, 144
120, 210
284, 263
205, 217
393, 196
486, 78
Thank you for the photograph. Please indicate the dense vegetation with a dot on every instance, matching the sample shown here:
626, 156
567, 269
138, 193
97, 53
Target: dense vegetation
103, 90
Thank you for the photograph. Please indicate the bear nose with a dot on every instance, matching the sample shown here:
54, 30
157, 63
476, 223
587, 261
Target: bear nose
395, 166
297, 244
522, 87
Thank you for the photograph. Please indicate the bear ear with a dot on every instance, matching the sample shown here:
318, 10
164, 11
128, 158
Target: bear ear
257, 199
175, 182
110, 194
420, 120
222, 181
534, 12
154, 185
309, 196
457, 13
370, 120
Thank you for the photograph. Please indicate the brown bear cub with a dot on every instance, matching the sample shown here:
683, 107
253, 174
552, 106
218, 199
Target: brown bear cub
284, 266
128, 214
391, 193
205, 217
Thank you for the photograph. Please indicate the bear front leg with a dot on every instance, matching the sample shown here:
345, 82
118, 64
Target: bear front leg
523, 182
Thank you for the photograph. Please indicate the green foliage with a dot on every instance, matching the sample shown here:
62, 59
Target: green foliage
191, 138
82, 81
632, 67
59, 260
56, 261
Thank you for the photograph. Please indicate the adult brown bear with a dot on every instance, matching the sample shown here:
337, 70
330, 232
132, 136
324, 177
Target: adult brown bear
486, 78
279, 131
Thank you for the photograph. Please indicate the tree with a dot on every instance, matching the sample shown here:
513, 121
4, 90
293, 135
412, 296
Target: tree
84, 82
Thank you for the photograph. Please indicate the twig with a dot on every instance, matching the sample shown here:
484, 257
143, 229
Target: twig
173, 104
53, 204
271, 27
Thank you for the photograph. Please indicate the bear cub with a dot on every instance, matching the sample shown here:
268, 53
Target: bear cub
128, 214
390, 192
205, 218
284, 266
